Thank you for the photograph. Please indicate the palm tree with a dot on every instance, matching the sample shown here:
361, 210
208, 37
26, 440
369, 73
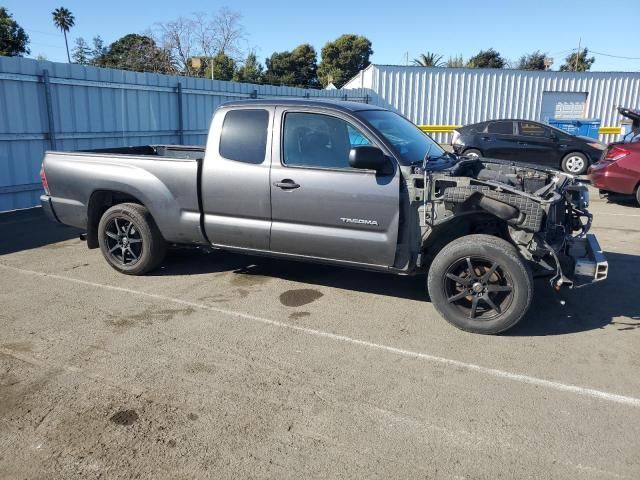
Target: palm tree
428, 59
63, 19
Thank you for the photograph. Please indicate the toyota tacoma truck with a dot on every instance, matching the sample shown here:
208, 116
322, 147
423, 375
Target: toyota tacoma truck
343, 183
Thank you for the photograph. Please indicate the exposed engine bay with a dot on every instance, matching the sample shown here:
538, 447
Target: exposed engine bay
541, 211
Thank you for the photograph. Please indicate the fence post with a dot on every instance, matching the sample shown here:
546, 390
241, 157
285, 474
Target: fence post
49, 102
180, 115
366, 98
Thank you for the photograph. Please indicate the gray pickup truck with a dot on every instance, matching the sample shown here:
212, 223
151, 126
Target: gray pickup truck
348, 184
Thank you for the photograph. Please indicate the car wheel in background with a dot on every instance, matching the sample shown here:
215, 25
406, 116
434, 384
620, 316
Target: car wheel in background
575, 163
481, 284
638, 195
472, 153
130, 240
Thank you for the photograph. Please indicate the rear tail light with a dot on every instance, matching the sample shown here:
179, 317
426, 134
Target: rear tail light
43, 178
616, 153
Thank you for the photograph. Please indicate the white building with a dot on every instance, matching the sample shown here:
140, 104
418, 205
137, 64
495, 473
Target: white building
445, 97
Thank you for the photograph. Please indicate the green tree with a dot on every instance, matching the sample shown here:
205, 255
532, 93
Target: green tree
81, 52
343, 58
428, 59
578, 62
13, 40
98, 48
136, 52
222, 67
251, 71
297, 68
486, 59
532, 61
64, 20
455, 62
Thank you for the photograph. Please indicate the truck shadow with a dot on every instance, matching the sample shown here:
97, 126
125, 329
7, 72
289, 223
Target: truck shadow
612, 303
194, 262
28, 229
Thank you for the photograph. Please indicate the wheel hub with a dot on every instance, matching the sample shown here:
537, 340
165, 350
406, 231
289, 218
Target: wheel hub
479, 287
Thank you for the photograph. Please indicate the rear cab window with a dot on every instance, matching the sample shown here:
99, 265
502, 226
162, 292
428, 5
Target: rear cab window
244, 135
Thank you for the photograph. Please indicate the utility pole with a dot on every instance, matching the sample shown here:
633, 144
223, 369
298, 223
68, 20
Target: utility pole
575, 66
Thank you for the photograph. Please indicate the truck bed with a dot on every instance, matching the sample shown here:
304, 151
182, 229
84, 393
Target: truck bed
187, 152
162, 177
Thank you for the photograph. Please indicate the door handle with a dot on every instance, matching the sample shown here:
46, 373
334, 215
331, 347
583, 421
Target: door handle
286, 184
486, 138
523, 143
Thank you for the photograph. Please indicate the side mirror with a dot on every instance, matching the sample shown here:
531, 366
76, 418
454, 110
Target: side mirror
554, 137
367, 157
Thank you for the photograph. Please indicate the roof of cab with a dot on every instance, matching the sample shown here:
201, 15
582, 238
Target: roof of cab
297, 102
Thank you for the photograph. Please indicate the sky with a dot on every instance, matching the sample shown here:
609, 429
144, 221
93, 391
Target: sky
398, 30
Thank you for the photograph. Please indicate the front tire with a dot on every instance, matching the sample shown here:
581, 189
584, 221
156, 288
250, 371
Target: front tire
472, 153
130, 240
575, 163
480, 284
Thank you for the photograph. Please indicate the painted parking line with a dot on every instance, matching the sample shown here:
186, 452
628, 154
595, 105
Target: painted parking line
493, 372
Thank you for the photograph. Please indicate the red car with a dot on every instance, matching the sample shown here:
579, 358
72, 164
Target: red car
618, 170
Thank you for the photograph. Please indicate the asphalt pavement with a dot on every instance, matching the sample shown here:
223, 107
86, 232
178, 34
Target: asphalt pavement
229, 366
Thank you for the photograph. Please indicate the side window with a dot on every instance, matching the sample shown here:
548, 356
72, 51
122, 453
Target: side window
501, 128
356, 138
322, 141
244, 135
530, 129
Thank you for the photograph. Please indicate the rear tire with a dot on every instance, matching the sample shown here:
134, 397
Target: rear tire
472, 153
488, 298
638, 195
575, 163
130, 240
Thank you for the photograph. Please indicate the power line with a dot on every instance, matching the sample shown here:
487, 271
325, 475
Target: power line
614, 56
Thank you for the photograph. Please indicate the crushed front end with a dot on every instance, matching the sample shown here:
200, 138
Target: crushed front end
544, 212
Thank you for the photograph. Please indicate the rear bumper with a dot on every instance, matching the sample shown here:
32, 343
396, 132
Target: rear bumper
590, 263
610, 177
47, 207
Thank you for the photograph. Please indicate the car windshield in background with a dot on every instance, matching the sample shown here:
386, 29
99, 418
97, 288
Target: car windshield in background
409, 142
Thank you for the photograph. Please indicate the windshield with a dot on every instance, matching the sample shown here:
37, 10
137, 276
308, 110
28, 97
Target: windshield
408, 141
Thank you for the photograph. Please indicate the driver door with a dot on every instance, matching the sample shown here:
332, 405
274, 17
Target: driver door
320, 206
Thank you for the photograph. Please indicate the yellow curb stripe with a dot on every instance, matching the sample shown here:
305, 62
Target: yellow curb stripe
451, 128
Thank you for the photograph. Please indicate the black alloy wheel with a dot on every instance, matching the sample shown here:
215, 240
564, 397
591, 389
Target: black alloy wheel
479, 287
124, 241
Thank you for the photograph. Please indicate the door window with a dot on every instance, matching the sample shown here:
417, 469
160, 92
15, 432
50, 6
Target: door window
500, 128
321, 141
244, 135
530, 129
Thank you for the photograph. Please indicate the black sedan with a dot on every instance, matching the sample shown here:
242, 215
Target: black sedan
527, 141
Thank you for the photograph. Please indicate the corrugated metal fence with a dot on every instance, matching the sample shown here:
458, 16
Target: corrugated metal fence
460, 96
45, 105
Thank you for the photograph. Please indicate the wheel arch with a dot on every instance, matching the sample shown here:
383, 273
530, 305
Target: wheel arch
99, 202
459, 226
